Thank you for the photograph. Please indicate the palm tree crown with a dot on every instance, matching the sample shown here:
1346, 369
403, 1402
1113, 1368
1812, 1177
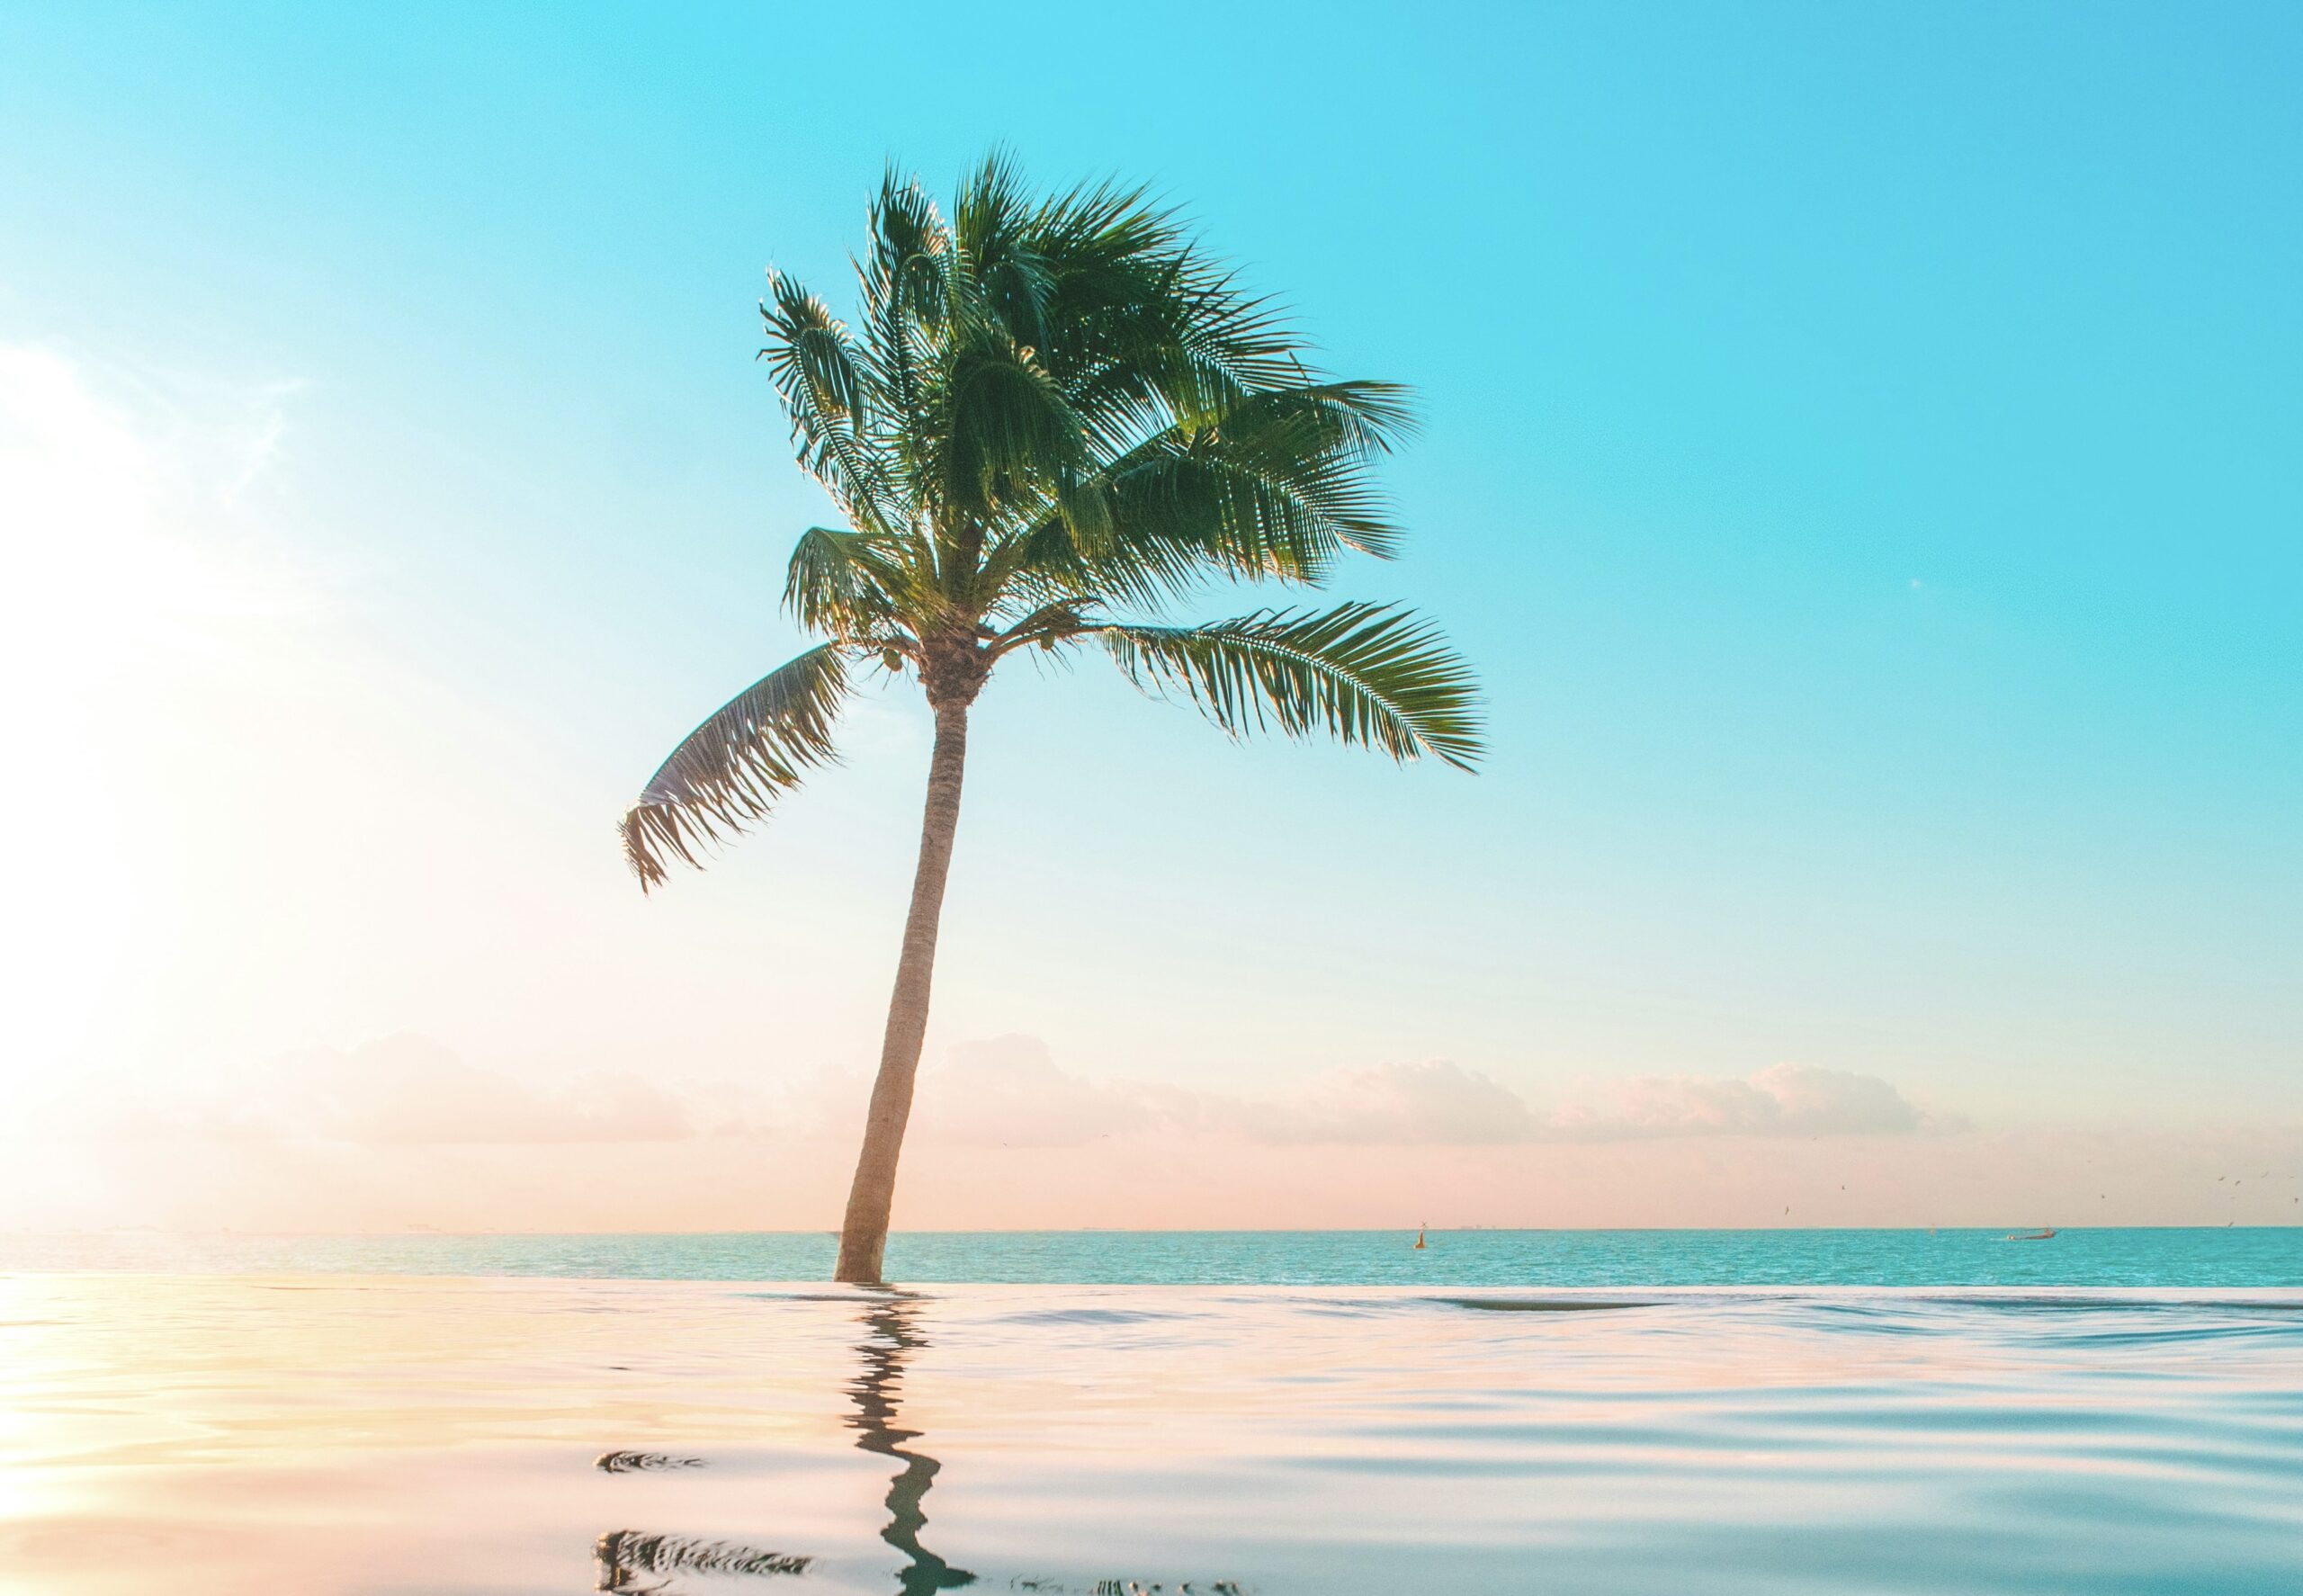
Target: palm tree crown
1048, 416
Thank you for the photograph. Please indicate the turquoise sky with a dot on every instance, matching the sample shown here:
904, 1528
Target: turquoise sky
1862, 455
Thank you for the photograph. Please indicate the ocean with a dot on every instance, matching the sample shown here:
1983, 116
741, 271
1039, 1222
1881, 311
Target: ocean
2178, 1258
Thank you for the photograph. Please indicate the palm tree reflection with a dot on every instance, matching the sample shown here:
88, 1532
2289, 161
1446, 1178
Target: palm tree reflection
874, 1394
628, 1558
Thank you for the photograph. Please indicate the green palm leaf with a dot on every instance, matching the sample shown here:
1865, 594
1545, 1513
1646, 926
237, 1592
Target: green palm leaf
1279, 488
1372, 675
728, 773
820, 376
844, 585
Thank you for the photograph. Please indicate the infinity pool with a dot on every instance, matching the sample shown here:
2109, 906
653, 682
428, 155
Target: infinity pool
334, 1434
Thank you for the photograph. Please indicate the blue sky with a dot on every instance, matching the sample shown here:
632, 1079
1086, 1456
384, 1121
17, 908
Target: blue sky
1858, 455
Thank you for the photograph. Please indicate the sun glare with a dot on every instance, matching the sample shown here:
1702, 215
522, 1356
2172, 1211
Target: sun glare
126, 557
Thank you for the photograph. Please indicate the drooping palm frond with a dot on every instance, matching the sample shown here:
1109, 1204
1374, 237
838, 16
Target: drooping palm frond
818, 373
1278, 488
1374, 675
1172, 334
846, 585
727, 773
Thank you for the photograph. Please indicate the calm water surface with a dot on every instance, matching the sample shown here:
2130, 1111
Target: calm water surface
368, 1434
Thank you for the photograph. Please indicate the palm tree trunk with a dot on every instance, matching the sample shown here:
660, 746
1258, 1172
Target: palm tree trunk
865, 1232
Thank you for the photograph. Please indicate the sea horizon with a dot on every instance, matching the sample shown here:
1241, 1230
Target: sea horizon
2164, 1256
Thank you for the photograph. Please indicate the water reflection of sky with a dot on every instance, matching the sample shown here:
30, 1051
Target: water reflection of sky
339, 1436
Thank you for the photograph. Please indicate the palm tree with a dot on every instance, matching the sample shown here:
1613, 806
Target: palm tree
1051, 419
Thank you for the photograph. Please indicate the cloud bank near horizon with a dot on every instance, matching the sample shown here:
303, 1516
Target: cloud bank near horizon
403, 1133
407, 1090
1010, 1092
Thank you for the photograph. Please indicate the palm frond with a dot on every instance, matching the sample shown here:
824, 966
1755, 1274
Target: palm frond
818, 373
844, 584
728, 773
1371, 675
999, 251
1011, 429
905, 278
1231, 342
1277, 489
1169, 323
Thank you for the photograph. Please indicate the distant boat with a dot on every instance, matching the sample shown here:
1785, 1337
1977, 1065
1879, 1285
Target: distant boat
1418, 1236
2031, 1235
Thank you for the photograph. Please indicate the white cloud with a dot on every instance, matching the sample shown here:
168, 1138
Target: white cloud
1434, 1102
1781, 1101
